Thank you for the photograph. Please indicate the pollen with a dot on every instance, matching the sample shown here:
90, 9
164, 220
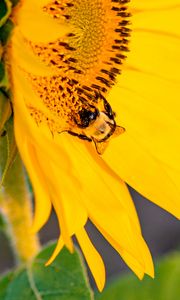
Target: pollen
86, 60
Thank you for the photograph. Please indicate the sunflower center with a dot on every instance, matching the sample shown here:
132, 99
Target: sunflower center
86, 60
87, 21
92, 51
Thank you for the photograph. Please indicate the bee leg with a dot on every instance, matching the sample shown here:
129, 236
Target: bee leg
108, 108
80, 136
100, 146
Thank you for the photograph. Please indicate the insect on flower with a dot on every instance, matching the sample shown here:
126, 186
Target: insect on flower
97, 125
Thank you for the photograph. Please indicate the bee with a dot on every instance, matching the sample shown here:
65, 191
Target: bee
97, 125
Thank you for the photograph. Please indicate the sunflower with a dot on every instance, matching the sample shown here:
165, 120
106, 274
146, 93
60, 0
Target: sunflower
93, 112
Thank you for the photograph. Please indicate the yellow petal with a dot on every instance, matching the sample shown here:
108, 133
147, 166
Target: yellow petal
23, 57
36, 25
109, 206
59, 246
174, 175
143, 172
58, 204
146, 99
134, 83
70, 211
140, 260
42, 200
151, 70
149, 124
93, 258
110, 190
153, 4
66, 186
162, 59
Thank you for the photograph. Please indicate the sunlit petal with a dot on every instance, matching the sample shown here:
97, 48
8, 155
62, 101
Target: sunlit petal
93, 258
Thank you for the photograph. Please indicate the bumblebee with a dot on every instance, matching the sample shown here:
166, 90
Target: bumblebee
97, 125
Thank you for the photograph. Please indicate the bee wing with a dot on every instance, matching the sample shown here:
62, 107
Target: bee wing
119, 130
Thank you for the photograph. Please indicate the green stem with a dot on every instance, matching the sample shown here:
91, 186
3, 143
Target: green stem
15, 204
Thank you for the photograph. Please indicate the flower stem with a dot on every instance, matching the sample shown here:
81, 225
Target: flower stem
18, 222
16, 206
